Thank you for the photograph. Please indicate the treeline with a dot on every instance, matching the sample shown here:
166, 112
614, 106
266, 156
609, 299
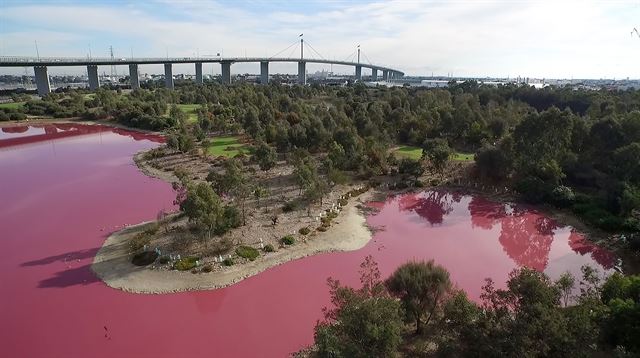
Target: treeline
571, 148
417, 312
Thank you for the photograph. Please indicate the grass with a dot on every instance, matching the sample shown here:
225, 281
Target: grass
463, 157
407, 151
225, 146
412, 152
12, 105
190, 110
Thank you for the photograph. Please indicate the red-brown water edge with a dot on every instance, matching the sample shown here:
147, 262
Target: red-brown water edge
64, 188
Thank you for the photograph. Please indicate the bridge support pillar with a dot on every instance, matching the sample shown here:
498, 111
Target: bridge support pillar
168, 75
94, 81
302, 73
134, 79
264, 72
374, 75
42, 80
385, 75
199, 72
358, 73
226, 73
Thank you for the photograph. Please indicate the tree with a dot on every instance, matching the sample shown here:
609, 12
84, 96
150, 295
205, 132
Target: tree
363, 322
495, 162
260, 192
202, 206
412, 167
438, 153
266, 156
421, 287
234, 182
565, 284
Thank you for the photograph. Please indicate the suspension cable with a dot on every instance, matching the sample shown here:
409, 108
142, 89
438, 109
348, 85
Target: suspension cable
288, 47
314, 50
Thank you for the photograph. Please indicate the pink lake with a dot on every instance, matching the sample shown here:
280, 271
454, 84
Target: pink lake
65, 187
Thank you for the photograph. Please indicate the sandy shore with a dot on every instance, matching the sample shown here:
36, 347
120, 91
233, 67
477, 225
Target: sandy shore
113, 264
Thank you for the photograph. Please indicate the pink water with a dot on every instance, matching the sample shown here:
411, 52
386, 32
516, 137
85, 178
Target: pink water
63, 188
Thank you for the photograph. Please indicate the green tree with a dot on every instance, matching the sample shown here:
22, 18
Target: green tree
363, 322
202, 206
438, 152
266, 156
422, 287
412, 167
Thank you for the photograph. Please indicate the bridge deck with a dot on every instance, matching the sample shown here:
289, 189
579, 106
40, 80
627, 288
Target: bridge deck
62, 61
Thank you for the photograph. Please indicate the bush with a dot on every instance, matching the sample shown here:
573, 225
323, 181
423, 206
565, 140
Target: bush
164, 259
185, 263
247, 252
228, 262
534, 190
343, 201
289, 206
562, 196
139, 241
418, 184
287, 240
144, 258
207, 268
434, 182
268, 248
304, 231
322, 228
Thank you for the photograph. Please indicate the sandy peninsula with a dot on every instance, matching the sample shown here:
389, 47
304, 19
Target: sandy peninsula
113, 264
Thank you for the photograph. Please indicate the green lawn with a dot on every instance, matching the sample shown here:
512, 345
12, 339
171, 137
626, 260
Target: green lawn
14, 105
226, 146
463, 157
190, 110
408, 151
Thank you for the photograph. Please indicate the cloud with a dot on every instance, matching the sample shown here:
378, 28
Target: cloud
468, 38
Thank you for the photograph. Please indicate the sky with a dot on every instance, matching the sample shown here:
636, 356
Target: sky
473, 38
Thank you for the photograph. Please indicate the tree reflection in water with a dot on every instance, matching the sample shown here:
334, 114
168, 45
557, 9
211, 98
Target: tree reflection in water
433, 206
526, 236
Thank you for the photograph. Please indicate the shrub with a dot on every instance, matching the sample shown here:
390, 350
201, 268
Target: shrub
247, 252
268, 248
289, 206
562, 196
288, 240
304, 231
322, 228
164, 259
185, 263
207, 268
228, 262
144, 258
434, 182
343, 201
139, 241
418, 184
401, 185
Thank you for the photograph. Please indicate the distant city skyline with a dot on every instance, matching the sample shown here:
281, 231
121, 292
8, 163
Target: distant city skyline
544, 39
